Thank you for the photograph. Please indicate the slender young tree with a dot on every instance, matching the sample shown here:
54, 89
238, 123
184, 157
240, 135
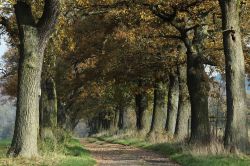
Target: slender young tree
33, 38
236, 136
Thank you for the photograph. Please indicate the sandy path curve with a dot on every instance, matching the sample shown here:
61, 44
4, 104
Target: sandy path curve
107, 154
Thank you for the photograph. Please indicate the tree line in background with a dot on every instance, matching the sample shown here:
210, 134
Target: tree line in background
105, 61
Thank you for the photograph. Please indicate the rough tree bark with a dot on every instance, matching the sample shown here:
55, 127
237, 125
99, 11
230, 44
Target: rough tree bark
184, 109
48, 100
173, 100
236, 133
33, 40
198, 85
141, 107
115, 120
121, 118
48, 108
160, 108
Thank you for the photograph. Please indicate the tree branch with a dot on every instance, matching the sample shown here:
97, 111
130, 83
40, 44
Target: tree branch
4, 22
164, 16
206, 61
24, 14
170, 36
46, 23
184, 6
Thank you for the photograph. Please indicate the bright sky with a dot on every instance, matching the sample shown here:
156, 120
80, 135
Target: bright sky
3, 47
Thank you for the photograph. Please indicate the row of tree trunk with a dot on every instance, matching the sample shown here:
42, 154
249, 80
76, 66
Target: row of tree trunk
171, 108
33, 40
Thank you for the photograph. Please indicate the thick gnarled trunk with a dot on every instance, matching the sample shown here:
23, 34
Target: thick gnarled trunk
236, 133
198, 86
33, 40
24, 141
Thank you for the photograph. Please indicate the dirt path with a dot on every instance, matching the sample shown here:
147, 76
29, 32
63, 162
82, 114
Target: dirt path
107, 154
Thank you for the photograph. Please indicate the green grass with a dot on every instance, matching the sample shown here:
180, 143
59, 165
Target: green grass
77, 155
176, 153
4, 147
71, 153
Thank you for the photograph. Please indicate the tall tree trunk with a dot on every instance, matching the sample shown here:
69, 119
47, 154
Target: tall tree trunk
115, 120
181, 130
33, 40
198, 85
141, 107
48, 100
125, 118
130, 117
24, 141
160, 108
73, 118
173, 100
121, 118
236, 133
48, 108
61, 114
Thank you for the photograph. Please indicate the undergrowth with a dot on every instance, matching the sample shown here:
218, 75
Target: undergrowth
62, 151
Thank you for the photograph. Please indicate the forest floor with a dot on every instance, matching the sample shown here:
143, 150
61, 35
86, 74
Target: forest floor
109, 154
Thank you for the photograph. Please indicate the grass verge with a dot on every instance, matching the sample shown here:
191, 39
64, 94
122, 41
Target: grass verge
178, 153
70, 153
76, 155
